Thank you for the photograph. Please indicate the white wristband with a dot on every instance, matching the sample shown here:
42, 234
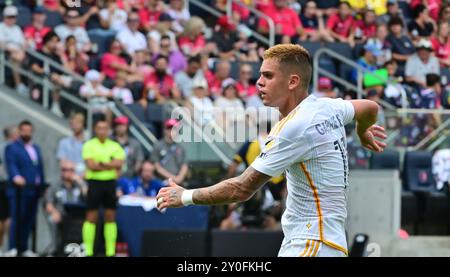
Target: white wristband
186, 197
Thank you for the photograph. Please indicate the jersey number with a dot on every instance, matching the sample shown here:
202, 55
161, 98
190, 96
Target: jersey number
340, 145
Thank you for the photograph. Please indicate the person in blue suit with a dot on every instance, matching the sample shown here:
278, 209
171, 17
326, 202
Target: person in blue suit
23, 161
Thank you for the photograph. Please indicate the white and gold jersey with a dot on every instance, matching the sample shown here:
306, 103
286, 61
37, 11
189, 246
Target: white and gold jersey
310, 146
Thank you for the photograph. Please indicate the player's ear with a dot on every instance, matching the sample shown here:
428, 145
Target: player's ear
294, 81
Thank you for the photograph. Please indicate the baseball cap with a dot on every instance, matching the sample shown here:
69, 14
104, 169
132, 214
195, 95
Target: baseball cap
375, 50
228, 82
169, 123
199, 83
165, 17
122, 120
424, 44
325, 83
39, 9
226, 23
10, 11
92, 75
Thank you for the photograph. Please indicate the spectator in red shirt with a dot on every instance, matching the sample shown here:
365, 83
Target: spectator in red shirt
192, 42
441, 44
222, 72
432, 5
150, 13
246, 88
34, 33
367, 27
287, 22
160, 85
340, 24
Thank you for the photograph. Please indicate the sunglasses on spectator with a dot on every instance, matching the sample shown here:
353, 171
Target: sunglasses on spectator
67, 169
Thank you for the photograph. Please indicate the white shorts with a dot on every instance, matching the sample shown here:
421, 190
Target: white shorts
308, 248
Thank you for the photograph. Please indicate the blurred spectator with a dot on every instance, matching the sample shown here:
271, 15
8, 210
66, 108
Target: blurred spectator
35, 32
441, 168
367, 27
429, 97
286, 20
394, 89
202, 107
133, 150
380, 41
162, 29
160, 85
141, 65
70, 189
340, 25
325, 88
441, 44
421, 64
225, 40
191, 41
150, 13
71, 27
10, 134
432, 5
26, 172
444, 13
245, 86
313, 23
120, 91
170, 157
144, 185
76, 61
113, 61
129, 5
89, 14
184, 79
422, 26
70, 148
230, 104
130, 37
368, 60
179, 13
52, 50
393, 10
401, 46
177, 61
222, 72
96, 94
104, 159
112, 17
13, 41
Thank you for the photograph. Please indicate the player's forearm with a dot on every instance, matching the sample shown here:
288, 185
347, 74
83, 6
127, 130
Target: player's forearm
366, 112
225, 192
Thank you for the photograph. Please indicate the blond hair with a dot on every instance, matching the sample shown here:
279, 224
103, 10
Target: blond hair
77, 116
192, 25
292, 56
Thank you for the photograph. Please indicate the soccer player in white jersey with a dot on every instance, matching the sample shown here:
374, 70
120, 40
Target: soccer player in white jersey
309, 145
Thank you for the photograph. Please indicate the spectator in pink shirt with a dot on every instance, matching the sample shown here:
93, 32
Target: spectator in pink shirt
367, 27
441, 44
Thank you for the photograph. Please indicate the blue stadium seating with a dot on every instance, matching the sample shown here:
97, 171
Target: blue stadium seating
417, 173
388, 159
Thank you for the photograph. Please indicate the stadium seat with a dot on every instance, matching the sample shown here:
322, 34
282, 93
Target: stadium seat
248, 243
435, 217
138, 111
417, 174
24, 16
53, 18
341, 48
326, 63
409, 212
388, 159
174, 243
312, 47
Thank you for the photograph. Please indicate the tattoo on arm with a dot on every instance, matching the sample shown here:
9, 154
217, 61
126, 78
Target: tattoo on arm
237, 189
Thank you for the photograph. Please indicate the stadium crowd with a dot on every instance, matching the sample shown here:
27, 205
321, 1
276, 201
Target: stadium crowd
152, 51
